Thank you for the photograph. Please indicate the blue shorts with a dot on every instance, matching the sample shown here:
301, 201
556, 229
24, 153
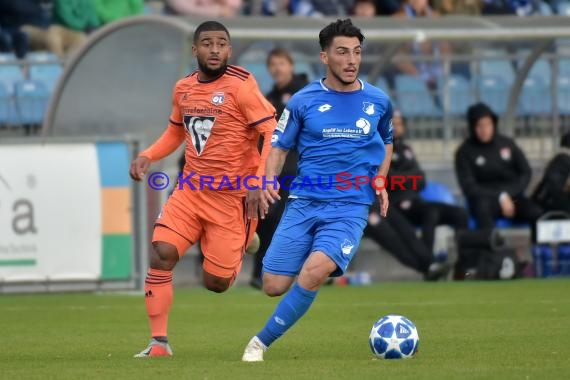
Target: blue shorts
332, 227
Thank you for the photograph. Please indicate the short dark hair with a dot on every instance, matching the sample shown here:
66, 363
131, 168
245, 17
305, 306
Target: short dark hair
343, 28
279, 52
209, 26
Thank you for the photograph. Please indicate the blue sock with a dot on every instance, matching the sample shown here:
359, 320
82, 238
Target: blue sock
292, 307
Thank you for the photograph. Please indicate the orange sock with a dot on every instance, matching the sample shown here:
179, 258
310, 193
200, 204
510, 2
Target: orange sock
158, 294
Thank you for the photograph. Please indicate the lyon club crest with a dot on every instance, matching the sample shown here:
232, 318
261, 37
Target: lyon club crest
218, 98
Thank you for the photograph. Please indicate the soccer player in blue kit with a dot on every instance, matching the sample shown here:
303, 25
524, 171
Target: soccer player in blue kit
338, 124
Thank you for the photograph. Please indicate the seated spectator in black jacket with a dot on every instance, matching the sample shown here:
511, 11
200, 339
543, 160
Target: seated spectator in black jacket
493, 172
553, 191
427, 215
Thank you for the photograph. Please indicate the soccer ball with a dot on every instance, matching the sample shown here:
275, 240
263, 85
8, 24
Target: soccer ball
394, 337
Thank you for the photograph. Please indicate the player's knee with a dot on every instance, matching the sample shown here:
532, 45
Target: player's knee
312, 276
217, 284
164, 256
274, 289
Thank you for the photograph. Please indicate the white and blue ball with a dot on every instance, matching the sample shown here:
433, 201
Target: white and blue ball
394, 337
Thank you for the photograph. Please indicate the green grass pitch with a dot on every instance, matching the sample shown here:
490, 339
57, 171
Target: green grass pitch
471, 330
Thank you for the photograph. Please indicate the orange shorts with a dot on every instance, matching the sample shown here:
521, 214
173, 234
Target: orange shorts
215, 218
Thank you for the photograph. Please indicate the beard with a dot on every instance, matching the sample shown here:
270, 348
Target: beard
210, 72
339, 78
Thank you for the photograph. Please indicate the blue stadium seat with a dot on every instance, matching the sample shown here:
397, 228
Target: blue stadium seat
564, 8
494, 91
564, 95
564, 67
499, 68
542, 70
414, 97
437, 192
535, 98
48, 74
382, 84
31, 101
8, 114
460, 94
10, 72
544, 9
259, 70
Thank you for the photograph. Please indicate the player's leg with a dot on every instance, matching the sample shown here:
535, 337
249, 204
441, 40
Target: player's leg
174, 231
227, 233
282, 263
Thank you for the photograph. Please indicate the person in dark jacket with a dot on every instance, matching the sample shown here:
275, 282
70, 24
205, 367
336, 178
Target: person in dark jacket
14, 17
553, 191
281, 67
493, 172
407, 198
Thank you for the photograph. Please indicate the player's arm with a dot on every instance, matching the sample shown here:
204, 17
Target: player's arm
273, 168
385, 130
260, 114
170, 140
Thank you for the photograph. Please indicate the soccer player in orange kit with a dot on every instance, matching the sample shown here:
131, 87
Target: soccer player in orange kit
220, 112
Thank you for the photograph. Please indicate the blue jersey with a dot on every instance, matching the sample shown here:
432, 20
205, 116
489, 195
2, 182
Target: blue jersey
339, 136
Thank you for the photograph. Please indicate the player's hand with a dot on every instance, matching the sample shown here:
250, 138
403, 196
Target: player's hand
507, 206
139, 167
383, 199
254, 201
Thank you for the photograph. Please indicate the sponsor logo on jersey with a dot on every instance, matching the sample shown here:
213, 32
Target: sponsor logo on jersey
199, 128
282, 123
363, 124
218, 98
346, 247
324, 108
368, 108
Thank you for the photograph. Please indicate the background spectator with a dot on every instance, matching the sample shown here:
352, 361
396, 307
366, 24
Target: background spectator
113, 10
458, 7
281, 67
387, 7
398, 236
427, 215
553, 191
320, 8
364, 8
210, 8
71, 19
429, 71
23, 24
493, 172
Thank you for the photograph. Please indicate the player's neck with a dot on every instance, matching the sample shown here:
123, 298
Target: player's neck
203, 77
336, 85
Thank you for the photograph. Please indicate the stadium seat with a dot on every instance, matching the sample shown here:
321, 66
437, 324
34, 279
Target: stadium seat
541, 69
437, 192
414, 97
31, 101
382, 84
535, 98
495, 66
564, 8
42, 56
10, 72
564, 67
544, 9
8, 114
460, 94
48, 74
494, 91
564, 95
259, 70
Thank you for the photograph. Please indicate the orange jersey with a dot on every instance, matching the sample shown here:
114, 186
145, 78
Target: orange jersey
223, 120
